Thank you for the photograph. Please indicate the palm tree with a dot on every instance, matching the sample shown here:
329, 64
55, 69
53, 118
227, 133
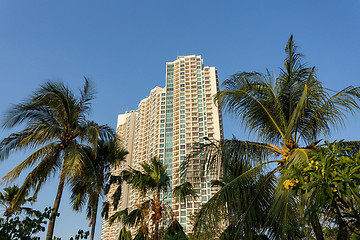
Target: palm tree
6, 199
55, 123
88, 186
151, 180
226, 217
288, 114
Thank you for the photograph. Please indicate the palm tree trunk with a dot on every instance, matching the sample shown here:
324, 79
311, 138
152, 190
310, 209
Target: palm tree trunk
93, 220
343, 233
156, 234
315, 223
52, 219
157, 216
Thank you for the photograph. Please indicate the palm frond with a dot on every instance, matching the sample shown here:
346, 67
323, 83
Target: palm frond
224, 154
124, 234
47, 152
87, 94
353, 145
239, 195
327, 112
184, 191
299, 110
77, 160
283, 215
105, 210
39, 175
28, 139
250, 97
119, 216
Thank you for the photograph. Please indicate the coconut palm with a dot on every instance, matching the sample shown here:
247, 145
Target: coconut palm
152, 180
55, 124
241, 217
288, 114
88, 186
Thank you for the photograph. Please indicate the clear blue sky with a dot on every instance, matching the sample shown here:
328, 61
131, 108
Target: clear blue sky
123, 46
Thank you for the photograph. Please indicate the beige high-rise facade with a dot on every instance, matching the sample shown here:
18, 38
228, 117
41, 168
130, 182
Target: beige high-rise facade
168, 124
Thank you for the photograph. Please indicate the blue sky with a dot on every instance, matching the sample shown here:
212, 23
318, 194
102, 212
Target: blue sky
123, 46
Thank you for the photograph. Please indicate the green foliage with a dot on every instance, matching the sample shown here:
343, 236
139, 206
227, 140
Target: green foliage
55, 123
183, 191
80, 235
7, 198
242, 203
284, 112
55, 127
329, 184
151, 181
175, 232
152, 177
294, 105
124, 234
88, 186
24, 228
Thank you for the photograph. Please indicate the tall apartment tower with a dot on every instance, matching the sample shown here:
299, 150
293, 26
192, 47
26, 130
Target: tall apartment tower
169, 124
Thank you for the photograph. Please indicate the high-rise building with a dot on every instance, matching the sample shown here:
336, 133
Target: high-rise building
168, 124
